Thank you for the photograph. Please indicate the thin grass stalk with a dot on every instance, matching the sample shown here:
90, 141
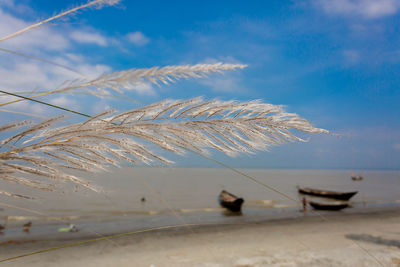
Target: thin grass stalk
41, 60
72, 10
23, 113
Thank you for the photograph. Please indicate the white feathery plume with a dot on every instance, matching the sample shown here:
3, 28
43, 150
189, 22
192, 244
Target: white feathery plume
128, 79
172, 125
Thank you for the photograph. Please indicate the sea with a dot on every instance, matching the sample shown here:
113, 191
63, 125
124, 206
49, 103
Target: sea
135, 198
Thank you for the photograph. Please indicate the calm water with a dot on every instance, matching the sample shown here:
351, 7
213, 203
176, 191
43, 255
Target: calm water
177, 195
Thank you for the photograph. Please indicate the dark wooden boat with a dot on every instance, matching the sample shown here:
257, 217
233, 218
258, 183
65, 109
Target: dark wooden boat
328, 206
324, 193
230, 201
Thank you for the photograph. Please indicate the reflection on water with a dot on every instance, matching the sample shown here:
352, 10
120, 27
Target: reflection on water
229, 213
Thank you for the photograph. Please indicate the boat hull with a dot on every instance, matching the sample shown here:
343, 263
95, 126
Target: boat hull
327, 194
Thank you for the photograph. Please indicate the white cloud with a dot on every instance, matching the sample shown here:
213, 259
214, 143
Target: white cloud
93, 71
21, 74
27, 108
57, 44
368, 9
224, 84
38, 109
99, 107
228, 82
16, 7
25, 76
143, 88
88, 38
64, 101
7, 3
138, 38
72, 57
43, 38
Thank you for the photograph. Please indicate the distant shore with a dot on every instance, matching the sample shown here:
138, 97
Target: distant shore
365, 238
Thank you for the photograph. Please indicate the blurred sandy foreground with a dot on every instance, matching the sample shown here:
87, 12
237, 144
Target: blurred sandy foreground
364, 239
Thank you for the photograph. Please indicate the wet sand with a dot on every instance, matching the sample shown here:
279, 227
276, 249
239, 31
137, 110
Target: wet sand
366, 238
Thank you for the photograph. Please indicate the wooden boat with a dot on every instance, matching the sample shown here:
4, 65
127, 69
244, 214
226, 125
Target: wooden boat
230, 201
328, 194
328, 206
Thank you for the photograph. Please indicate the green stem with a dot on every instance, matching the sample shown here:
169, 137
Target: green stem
47, 104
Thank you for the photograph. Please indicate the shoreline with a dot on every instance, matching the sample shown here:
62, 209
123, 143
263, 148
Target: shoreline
259, 243
45, 228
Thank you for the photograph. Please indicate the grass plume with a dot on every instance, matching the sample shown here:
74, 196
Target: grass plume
104, 140
128, 79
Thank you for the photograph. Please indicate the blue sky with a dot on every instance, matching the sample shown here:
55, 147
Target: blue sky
335, 63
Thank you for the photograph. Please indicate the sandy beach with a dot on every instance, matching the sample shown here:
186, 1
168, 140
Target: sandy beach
367, 238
